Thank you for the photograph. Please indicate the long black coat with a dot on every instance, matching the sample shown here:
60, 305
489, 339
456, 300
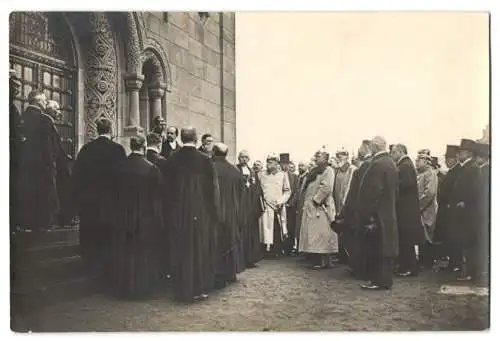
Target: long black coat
377, 200
250, 211
407, 205
94, 188
466, 220
37, 202
349, 208
231, 186
444, 222
191, 181
166, 149
137, 228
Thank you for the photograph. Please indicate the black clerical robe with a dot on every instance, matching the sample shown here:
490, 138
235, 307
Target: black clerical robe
137, 229
36, 199
191, 182
231, 186
94, 188
251, 209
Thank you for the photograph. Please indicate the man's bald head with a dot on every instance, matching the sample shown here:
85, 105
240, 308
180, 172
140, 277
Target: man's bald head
189, 135
53, 109
378, 144
220, 149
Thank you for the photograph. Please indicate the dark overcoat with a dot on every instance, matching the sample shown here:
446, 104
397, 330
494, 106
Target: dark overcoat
444, 223
407, 205
466, 220
376, 200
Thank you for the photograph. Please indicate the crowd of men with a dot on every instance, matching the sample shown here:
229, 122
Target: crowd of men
172, 212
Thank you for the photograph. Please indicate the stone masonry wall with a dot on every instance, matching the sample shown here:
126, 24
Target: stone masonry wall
193, 48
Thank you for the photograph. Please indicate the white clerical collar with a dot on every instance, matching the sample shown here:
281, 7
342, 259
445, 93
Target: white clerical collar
189, 144
106, 136
245, 170
466, 161
153, 149
173, 144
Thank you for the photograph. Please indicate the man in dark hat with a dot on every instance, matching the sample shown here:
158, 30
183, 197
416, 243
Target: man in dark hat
483, 161
290, 205
466, 206
444, 221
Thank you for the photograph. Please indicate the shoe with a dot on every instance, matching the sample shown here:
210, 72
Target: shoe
464, 278
204, 296
406, 274
251, 266
318, 267
372, 286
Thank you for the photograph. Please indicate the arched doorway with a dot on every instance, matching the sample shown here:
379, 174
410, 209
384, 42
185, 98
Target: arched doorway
42, 53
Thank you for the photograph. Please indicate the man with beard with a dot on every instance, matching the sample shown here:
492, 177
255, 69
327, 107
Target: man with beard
37, 204
193, 218
466, 205
138, 226
427, 183
170, 144
376, 216
290, 205
276, 192
207, 142
342, 182
250, 211
94, 187
356, 244
316, 236
153, 155
444, 221
231, 185
408, 212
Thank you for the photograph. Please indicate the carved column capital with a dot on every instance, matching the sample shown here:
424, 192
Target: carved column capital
133, 81
157, 90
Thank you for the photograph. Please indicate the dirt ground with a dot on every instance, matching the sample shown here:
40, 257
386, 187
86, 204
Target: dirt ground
281, 295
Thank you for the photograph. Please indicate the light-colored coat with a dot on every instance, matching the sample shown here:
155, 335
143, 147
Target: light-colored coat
427, 195
276, 192
316, 236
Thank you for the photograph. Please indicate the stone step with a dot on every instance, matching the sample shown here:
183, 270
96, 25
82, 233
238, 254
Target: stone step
26, 240
39, 276
23, 305
59, 249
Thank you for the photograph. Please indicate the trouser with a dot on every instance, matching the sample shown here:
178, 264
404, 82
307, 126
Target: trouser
291, 218
469, 261
407, 257
342, 239
278, 243
357, 256
426, 254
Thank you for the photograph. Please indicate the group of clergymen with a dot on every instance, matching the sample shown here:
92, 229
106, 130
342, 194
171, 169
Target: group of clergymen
172, 212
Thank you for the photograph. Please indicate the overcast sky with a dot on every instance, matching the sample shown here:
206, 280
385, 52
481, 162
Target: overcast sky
305, 80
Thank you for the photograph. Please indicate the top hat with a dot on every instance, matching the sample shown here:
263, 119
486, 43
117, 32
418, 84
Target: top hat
285, 158
451, 150
468, 145
482, 149
434, 162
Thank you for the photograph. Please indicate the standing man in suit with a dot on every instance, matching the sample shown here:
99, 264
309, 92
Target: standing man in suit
376, 215
290, 204
95, 188
444, 222
466, 203
408, 212
37, 158
170, 144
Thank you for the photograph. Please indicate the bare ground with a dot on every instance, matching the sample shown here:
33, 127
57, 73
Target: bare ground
281, 295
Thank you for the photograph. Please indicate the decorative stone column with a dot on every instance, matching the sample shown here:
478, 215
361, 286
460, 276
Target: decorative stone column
156, 93
133, 84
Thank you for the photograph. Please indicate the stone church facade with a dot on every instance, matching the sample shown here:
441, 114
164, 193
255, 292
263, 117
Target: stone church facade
129, 67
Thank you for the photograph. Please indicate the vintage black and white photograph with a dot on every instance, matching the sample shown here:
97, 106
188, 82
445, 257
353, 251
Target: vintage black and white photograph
249, 171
